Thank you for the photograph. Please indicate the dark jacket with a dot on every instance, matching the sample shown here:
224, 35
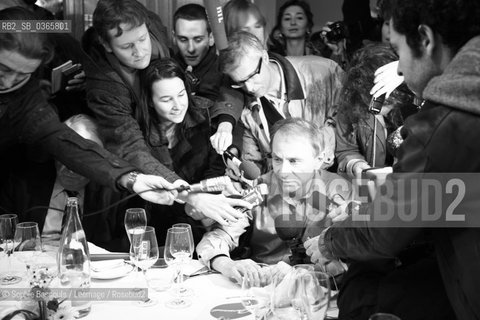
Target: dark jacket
114, 101
209, 78
25, 117
358, 145
193, 157
33, 186
214, 85
443, 137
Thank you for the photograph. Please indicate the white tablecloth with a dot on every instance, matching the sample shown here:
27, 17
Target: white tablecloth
209, 291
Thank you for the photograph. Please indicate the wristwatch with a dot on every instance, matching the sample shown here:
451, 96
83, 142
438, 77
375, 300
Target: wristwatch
132, 177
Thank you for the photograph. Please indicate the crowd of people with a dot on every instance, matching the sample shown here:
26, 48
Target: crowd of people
314, 111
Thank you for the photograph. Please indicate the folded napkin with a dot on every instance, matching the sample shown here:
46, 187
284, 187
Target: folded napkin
100, 266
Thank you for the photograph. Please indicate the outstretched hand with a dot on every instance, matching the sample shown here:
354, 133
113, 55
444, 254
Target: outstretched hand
165, 193
236, 270
223, 138
217, 206
386, 80
312, 249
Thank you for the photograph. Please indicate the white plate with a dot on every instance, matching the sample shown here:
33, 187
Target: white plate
114, 273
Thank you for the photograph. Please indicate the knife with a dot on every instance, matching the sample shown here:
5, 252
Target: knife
109, 256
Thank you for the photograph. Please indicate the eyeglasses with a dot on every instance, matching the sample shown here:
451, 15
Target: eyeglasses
241, 84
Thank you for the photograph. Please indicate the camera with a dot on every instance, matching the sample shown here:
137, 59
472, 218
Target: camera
338, 32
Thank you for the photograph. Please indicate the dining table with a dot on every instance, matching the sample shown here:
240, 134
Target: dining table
213, 296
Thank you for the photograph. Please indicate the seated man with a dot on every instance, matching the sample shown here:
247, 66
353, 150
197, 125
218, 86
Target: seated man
48, 184
296, 185
305, 87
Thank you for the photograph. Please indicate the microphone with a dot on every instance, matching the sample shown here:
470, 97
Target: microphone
192, 78
215, 17
291, 230
208, 185
248, 169
255, 196
376, 104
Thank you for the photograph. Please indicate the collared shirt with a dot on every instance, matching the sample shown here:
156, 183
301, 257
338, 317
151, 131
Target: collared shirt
53, 219
280, 102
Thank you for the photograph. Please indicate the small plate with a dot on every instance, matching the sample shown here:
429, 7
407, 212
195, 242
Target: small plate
114, 273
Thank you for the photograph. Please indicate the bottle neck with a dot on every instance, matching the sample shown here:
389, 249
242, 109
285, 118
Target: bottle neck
72, 214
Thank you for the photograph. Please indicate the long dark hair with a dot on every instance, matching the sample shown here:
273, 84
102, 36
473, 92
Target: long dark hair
355, 95
299, 3
165, 68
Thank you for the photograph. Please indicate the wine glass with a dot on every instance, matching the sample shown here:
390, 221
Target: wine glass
135, 220
146, 256
256, 295
301, 294
135, 223
184, 291
28, 243
178, 250
189, 228
8, 223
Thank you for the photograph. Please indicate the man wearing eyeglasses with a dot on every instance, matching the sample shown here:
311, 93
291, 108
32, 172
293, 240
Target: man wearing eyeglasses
306, 87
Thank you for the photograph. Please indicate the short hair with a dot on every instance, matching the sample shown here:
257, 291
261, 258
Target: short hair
110, 14
83, 121
235, 14
302, 4
456, 21
30, 45
299, 127
239, 43
190, 12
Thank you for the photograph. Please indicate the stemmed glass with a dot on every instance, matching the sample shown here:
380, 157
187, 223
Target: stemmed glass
28, 243
135, 221
135, 224
8, 223
256, 297
146, 254
301, 294
178, 251
182, 290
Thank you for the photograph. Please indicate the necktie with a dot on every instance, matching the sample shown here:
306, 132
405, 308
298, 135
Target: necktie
271, 113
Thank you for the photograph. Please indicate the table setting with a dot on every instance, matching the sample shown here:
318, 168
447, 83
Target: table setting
149, 281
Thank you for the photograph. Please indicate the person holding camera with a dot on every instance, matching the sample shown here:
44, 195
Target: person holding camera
365, 131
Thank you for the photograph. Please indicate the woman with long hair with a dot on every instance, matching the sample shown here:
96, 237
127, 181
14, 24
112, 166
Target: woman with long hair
364, 138
179, 124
